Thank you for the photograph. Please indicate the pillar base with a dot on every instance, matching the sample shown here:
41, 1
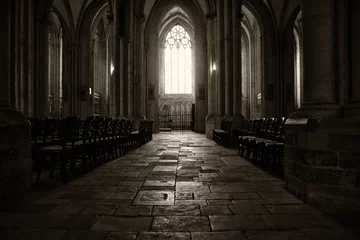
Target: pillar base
136, 121
15, 151
212, 121
321, 160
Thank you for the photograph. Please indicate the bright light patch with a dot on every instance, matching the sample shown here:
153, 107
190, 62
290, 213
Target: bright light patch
178, 67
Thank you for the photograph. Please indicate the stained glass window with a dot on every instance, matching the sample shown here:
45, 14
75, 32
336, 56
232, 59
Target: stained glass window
178, 71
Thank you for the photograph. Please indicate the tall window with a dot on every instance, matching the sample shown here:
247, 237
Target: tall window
178, 62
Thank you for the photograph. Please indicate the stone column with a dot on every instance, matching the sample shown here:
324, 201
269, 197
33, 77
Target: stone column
124, 76
211, 76
111, 59
318, 18
139, 98
70, 79
117, 60
321, 157
15, 148
42, 73
237, 62
228, 57
117, 75
130, 59
55, 76
352, 93
220, 58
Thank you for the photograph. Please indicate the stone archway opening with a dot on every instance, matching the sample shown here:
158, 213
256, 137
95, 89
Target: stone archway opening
251, 60
190, 98
177, 79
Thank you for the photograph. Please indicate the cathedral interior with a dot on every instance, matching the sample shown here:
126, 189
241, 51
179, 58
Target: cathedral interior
180, 119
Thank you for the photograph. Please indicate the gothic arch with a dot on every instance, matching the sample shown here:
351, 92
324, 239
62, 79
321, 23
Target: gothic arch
270, 84
84, 39
289, 39
152, 55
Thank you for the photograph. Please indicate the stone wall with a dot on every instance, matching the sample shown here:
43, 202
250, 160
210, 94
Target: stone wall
322, 161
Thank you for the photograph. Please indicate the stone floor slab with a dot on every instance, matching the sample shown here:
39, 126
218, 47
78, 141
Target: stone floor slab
99, 210
155, 183
246, 196
328, 234
163, 236
69, 209
176, 211
184, 196
238, 223
134, 211
180, 223
164, 168
228, 189
212, 196
120, 236
215, 210
190, 202
276, 235
219, 202
122, 224
83, 235
154, 197
124, 195
241, 209
287, 209
292, 221
218, 236
32, 234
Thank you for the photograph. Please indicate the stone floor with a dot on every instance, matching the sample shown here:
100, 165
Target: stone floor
178, 186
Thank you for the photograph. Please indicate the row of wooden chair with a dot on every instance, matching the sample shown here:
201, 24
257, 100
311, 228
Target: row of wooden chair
263, 143
70, 142
222, 136
144, 134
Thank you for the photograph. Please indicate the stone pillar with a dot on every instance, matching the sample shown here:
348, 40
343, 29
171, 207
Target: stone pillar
139, 98
117, 75
42, 73
318, 18
70, 79
138, 79
130, 59
55, 76
211, 80
15, 149
220, 58
228, 57
321, 147
352, 92
237, 64
124, 77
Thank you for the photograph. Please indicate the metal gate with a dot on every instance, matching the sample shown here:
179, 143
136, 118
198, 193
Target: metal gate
177, 120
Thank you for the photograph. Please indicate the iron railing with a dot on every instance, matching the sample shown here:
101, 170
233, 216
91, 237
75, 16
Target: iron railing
180, 120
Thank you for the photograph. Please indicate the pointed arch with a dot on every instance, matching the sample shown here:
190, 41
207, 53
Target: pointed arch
162, 17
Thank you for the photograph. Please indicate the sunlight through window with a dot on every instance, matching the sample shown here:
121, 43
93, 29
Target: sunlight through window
178, 62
